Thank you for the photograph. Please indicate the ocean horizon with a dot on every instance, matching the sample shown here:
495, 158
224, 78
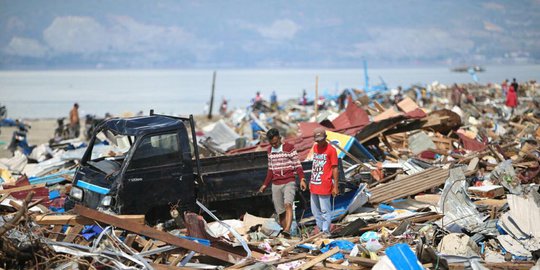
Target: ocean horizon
51, 94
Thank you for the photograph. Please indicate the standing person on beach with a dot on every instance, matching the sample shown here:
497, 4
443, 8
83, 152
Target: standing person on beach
511, 100
456, 95
74, 122
273, 101
515, 85
283, 162
504, 87
324, 180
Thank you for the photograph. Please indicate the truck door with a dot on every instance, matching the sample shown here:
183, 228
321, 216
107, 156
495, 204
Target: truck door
155, 176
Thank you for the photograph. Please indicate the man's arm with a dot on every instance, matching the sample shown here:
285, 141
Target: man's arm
266, 181
335, 185
299, 169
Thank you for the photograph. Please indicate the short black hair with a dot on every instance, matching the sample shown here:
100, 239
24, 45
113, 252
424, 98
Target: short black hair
273, 132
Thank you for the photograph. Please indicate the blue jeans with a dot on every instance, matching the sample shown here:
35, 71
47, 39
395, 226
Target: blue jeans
321, 207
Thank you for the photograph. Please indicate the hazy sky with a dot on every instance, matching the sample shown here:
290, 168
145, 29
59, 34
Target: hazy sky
246, 34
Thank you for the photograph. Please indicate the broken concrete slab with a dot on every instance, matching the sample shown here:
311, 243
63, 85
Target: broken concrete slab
458, 244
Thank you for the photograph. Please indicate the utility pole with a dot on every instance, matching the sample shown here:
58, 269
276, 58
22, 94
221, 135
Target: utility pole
316, 103
212, 96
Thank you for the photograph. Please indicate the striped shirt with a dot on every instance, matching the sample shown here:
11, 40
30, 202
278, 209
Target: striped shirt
282, 165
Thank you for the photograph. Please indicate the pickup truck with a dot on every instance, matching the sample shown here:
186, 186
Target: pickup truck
149, 165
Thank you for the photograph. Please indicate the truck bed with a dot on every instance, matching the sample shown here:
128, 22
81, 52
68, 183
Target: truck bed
237, 176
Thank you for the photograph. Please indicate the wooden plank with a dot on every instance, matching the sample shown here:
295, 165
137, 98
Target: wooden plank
242, 265
156, 234
79, 220
72, 233
4, 196
148, 246
491, 202
318, 259
55, 232
407, 105
428, 198
177, 259
309, 239
23, 188
15, 205
378, 106
158, 266
344, 267
130, 238
395, 223
361, 261
382, 131
287, 259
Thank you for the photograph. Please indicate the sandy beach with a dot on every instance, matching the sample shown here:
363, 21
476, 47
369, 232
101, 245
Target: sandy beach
40, 132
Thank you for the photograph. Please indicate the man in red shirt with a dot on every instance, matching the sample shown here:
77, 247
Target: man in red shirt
324, 180
283, 162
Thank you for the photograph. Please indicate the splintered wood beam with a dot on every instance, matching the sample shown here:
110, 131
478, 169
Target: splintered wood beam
79, 220
156, 234
309, 239
318, 259
23, 188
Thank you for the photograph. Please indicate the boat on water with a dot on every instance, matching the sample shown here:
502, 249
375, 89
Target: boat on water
468, 69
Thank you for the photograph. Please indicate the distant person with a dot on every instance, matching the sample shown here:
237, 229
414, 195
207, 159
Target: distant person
324, 180
273, 101
511, 99
223, 107
504, 87
283, 163
399, 95
515, 85
456, 95
304, 97
258, 101
74, 122
341, 99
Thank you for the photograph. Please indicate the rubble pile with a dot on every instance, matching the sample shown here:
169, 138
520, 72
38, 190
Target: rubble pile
426, 185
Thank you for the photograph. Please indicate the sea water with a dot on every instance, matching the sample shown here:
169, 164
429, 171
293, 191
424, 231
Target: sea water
51, 94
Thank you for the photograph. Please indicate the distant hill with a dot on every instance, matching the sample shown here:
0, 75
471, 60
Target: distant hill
58, 34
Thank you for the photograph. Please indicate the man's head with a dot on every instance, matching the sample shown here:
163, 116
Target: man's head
273, 137
76, 105
319, 134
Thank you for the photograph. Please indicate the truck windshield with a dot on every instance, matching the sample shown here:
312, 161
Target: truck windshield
157, 150
109, 145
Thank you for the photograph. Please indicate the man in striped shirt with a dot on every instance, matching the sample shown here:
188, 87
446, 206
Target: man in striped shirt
283, 163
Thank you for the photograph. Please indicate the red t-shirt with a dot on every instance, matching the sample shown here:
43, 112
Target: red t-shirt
324, 158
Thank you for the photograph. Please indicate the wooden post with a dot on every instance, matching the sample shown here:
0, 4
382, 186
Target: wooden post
212, 96
316, 103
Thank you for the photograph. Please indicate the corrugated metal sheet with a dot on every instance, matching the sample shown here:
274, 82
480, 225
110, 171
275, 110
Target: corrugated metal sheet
409, 185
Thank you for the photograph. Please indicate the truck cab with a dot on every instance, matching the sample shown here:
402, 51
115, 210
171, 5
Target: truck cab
140, 165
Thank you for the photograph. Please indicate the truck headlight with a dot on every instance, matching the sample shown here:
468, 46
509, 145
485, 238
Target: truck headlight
76, 193
106, 201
